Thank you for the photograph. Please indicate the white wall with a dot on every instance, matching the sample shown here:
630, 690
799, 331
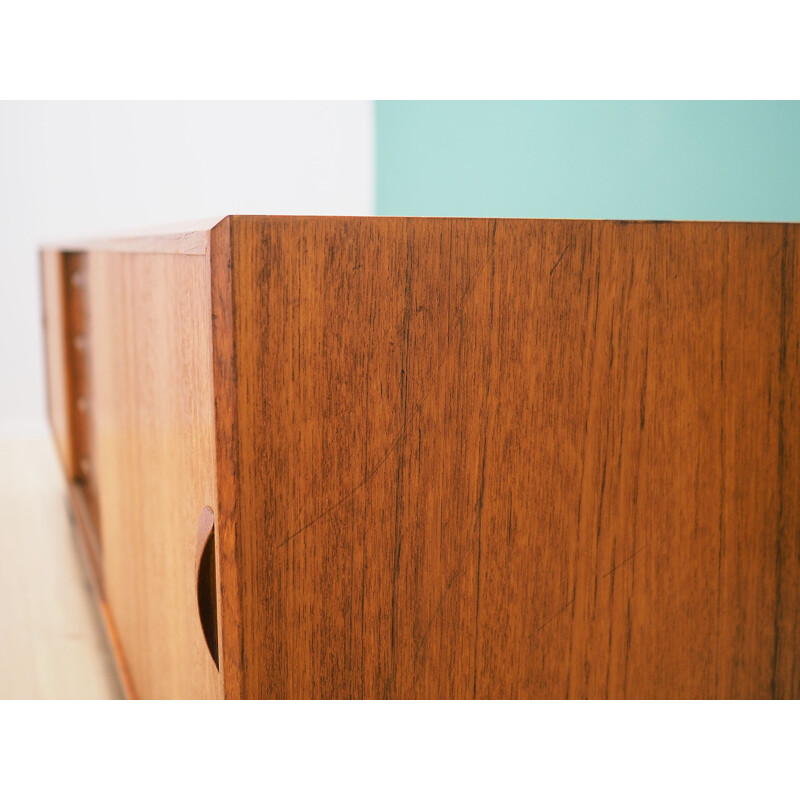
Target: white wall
69, 170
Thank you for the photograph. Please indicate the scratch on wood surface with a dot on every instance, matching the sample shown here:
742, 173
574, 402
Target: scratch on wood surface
447, 588
553, 268
555, 616
622, 563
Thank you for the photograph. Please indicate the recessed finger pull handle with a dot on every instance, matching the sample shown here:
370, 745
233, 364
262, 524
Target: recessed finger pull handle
206, 574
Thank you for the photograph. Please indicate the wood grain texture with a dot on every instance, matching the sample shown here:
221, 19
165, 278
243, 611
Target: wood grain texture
227, 515
153, 429
513, 458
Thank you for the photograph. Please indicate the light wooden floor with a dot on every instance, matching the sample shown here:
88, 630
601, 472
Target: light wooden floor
51, 640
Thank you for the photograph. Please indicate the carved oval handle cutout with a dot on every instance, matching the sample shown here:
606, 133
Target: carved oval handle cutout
206, 574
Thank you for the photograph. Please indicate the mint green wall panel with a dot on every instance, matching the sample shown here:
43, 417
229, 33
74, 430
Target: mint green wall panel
624, 160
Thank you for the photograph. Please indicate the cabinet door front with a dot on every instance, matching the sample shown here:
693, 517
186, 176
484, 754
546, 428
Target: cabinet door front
152, 411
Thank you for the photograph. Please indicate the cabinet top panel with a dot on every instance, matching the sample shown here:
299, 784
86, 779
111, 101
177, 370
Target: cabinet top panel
193, 237
182, 238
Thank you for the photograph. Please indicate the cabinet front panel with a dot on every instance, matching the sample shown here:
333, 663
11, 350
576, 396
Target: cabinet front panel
153, 437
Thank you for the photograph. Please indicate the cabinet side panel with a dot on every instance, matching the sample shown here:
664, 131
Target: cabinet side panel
518, 458
153, 433
55, 331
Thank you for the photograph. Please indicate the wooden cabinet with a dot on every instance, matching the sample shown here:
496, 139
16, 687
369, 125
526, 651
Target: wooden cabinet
436, 458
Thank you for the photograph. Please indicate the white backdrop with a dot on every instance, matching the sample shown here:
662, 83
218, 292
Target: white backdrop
69, 170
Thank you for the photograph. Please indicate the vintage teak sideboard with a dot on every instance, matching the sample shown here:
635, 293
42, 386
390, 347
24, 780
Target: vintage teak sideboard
436, 458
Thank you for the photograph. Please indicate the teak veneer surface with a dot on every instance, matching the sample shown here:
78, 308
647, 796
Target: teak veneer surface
455, 457
154, 457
